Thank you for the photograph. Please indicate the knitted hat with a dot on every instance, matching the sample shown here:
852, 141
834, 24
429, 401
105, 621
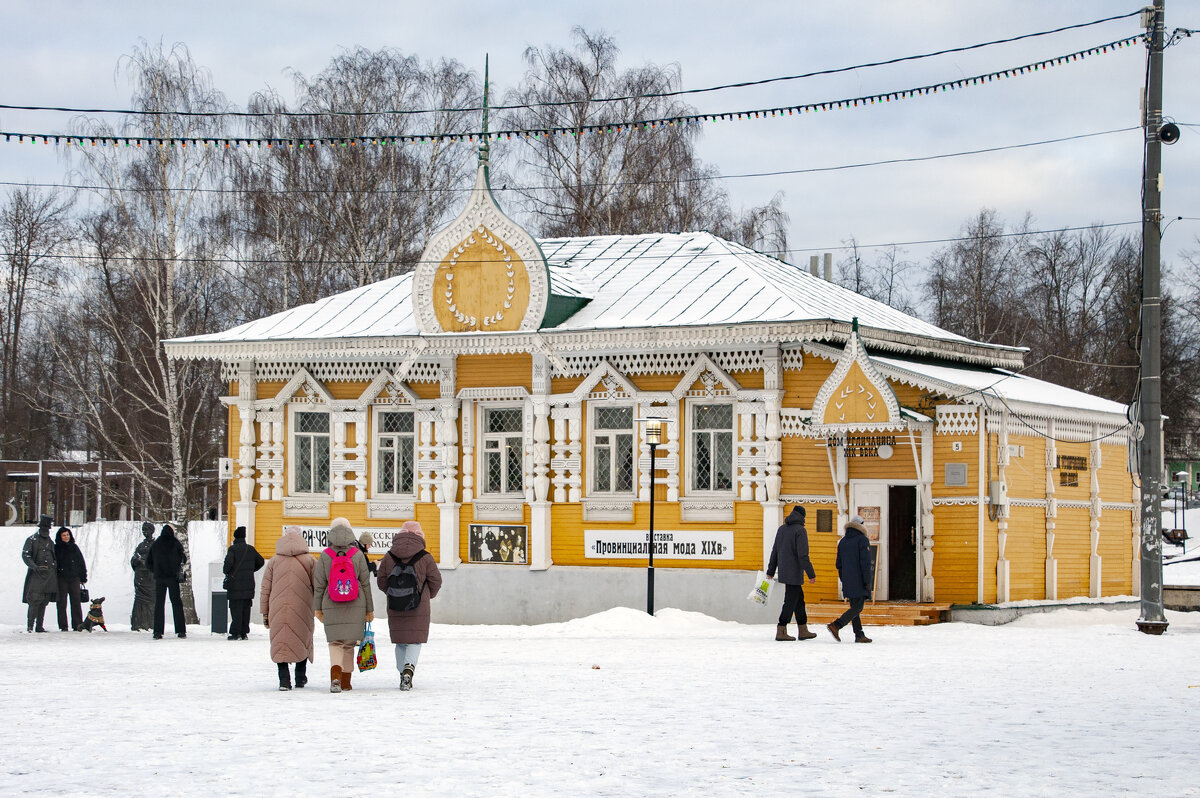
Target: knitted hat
366, 539
342, 522
291, 529
858, 519
240, 532
413, 526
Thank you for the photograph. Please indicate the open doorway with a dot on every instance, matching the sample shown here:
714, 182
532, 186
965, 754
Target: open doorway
902, 543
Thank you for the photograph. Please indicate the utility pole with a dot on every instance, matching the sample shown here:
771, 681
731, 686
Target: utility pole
1152, 620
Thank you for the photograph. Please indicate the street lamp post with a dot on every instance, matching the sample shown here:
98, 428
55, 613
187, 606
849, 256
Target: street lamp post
653, 439
1182, 476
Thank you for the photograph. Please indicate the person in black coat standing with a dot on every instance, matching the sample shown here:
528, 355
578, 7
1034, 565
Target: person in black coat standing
790, 556
858, 578
72, 573
41, 578
241, 561
166, 559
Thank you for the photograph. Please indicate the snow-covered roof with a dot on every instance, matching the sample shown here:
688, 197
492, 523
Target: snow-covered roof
977, 386
631, 281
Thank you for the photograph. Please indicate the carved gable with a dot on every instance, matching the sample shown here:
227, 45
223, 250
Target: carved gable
855, 397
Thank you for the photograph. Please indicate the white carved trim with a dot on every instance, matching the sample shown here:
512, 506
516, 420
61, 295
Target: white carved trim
706, 510
704, 365
1027, 502
853, 353
1126, 506
499, 393
499, 511
608, 510
807, 498
481, 212
294, 507
391, 508
957, 501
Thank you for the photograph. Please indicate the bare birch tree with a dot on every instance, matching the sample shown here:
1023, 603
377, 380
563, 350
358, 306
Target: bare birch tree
622, 182
35, 227
151, 272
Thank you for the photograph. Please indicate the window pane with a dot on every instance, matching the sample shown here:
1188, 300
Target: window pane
321, 463
395, 422
387, 470
702, 470
516, 466
603, 466
506, 419
312, 422
492, 472
405, 456
303, 477
713, 417
614, 418
624, 463
723, 460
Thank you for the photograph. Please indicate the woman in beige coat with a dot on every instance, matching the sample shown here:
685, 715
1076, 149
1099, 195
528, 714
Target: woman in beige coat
343, 620
286, 601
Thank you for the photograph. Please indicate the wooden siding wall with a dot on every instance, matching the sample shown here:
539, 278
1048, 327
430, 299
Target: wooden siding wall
806, 471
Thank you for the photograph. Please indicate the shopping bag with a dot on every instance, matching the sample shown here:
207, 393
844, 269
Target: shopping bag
366, 650
762, 588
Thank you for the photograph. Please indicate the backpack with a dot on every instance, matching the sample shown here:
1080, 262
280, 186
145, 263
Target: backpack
403, 588
343, 582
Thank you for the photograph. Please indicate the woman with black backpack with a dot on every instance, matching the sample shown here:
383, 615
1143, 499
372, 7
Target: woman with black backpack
410, 578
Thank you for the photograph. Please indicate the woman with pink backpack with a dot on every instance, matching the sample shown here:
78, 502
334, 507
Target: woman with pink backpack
342, 600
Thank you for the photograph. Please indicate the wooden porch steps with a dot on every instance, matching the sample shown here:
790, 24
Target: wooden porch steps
882, 613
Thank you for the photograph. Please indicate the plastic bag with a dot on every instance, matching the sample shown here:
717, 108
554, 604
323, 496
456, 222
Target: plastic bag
366, 650
762, 588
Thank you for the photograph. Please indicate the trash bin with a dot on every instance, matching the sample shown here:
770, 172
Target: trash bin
220, 612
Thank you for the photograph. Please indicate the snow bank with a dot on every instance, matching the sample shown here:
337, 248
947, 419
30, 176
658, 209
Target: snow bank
107, 547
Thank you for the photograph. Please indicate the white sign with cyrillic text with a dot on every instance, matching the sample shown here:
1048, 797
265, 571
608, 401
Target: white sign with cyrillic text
632, 544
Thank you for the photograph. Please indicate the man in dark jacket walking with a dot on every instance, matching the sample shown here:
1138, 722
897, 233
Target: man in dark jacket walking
858, 577
41, 578
790, 556
166, 559
241, 561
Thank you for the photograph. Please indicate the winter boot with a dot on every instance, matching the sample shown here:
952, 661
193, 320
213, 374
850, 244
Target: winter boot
346, 681
301, 673
861, 638
335, 679
803, 634
406, 677
781, 632
833, 630
285, 678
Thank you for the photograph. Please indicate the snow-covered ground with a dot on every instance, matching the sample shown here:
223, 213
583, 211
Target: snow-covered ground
1073, 702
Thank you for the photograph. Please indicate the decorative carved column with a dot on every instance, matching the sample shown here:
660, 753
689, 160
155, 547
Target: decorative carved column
744, 460
926, 510
575, 452
559, 460
540, 508
243, 508
671, 463
270, 455
772, 448
1001, 513
1051, 513
1095, 571
467, 413
449, 510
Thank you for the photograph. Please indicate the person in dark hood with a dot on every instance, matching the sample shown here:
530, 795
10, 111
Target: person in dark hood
142, 616
241, 561
364, 545
789, 555
858, 577
72, 573
41, 576
409, 628
166, 559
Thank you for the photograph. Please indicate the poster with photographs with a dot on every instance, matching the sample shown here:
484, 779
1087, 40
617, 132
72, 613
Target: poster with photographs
871, 518
498, 543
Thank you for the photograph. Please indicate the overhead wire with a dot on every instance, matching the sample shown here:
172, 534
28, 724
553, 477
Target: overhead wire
554, 103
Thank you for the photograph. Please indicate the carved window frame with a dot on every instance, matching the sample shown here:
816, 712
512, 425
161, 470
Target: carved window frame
293, 449
377, 433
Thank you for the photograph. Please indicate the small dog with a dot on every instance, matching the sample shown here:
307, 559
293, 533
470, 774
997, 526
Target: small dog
95, 616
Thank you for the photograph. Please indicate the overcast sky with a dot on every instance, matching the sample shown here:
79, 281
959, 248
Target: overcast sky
66, 54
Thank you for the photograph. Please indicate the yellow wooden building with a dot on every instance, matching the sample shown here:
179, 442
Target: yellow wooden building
496, 393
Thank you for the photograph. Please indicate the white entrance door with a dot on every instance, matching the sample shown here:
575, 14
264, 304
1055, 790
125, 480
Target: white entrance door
869, 498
